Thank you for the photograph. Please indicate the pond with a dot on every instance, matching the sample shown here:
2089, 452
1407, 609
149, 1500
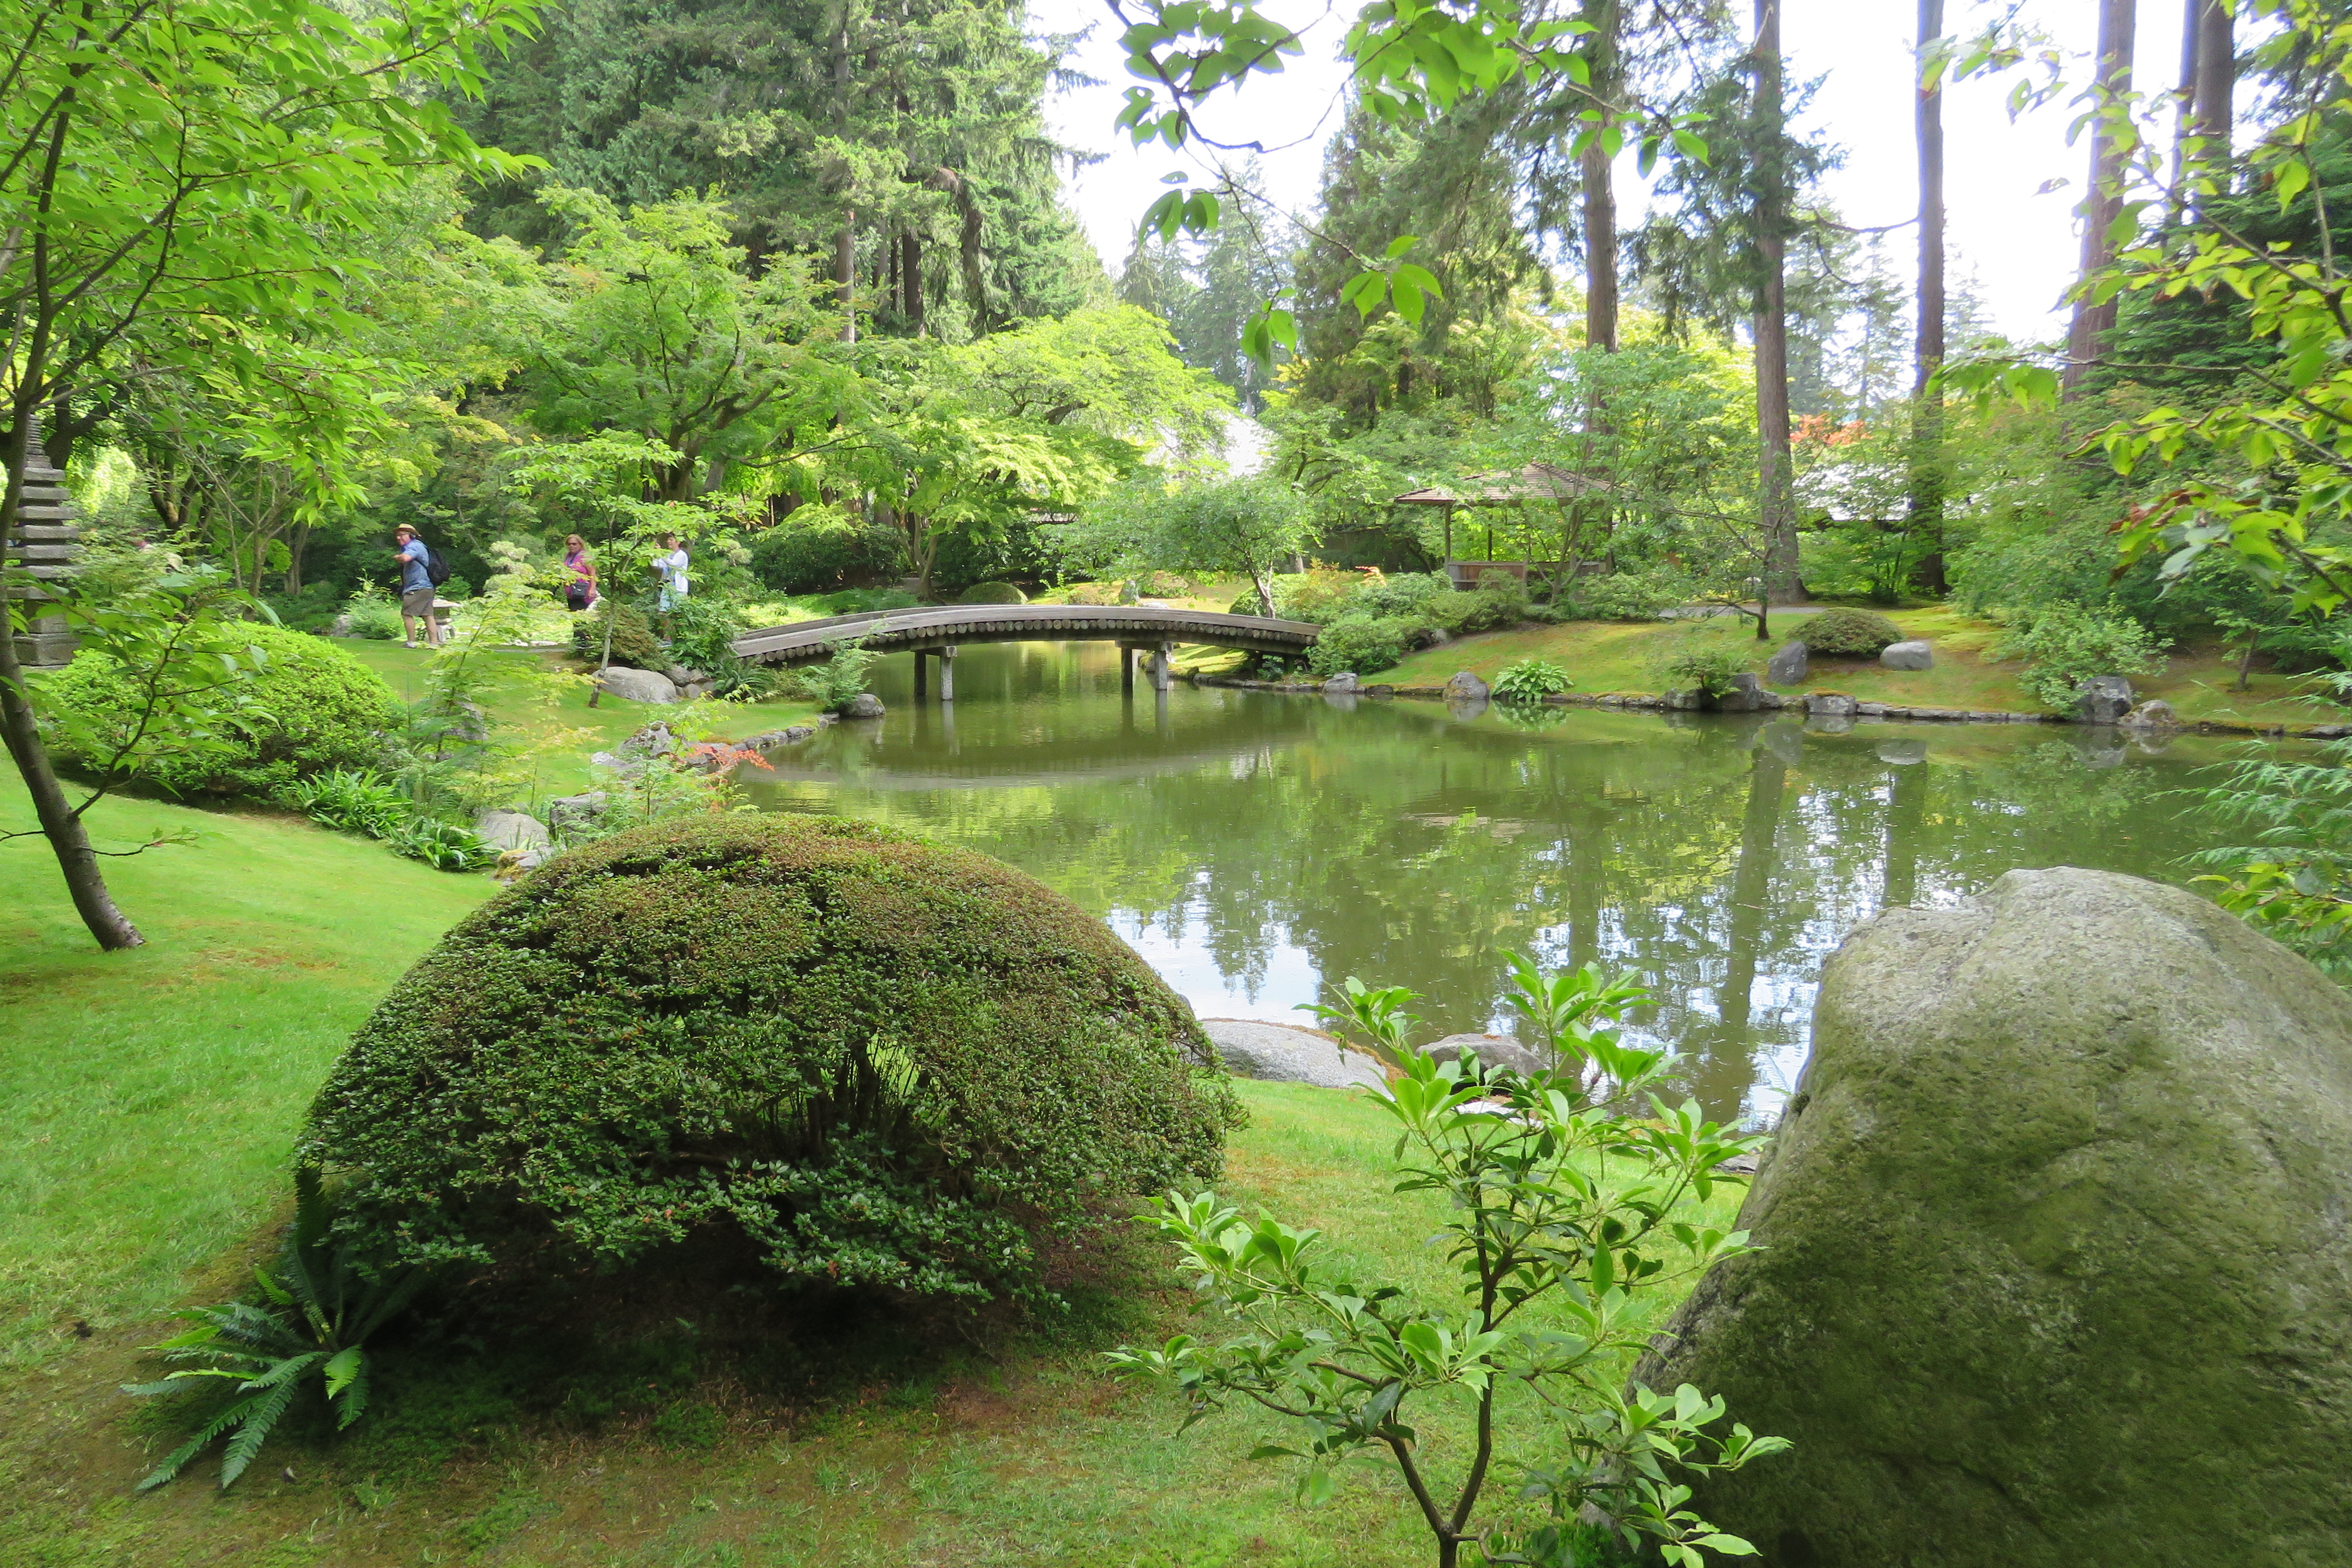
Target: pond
1258, 848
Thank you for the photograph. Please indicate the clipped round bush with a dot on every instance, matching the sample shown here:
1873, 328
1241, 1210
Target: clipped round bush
992, 594
320, 710
879, 1062
634, 642
1362, 644
1848, 634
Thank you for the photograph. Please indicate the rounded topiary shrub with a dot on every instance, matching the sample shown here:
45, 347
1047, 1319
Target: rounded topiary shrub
879, 1062
992, 594
314, 708
1849, 634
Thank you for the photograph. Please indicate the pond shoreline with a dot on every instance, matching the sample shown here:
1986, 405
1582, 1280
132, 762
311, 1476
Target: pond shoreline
1770, 702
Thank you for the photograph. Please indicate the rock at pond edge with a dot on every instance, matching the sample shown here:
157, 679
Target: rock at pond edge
1283, 1053
2057, 1271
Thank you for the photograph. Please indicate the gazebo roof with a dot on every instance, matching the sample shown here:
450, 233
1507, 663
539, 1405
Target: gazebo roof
1537, 482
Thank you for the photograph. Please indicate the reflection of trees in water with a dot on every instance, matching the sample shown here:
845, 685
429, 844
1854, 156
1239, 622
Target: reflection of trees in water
1719, 862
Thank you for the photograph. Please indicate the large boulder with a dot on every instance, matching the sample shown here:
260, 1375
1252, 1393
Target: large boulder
1466, 688
865, 705
510, 830
1492, 1051
1342, 683
1913, 653
2056, 1270
1745, 696
1788, 667
1283, 1053
637, 685
2103, 699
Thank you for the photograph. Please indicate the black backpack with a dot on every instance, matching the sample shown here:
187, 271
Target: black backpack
436, 571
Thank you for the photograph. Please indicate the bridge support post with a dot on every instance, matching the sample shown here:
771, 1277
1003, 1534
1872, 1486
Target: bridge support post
919, 673
1126, 670
947, 673
1163, 675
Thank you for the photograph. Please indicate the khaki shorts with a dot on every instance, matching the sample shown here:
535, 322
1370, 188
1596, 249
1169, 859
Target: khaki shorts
418, 601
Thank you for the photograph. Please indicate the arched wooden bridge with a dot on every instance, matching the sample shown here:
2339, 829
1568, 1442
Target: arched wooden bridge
941, 628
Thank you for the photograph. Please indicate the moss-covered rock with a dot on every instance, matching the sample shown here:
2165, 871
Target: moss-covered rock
881, 1061
312, 707
1848, 633
2057, 1271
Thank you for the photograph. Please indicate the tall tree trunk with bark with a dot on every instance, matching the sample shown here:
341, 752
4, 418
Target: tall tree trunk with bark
2216, 82
1594, 175
1926, 477
1776, 499
2104, 201
845, 238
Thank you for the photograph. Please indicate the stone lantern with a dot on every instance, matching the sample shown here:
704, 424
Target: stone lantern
42, 547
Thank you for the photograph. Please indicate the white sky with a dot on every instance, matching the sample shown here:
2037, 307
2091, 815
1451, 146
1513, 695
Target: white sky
2020, 243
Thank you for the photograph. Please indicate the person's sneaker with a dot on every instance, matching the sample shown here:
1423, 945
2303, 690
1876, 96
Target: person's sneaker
409, 644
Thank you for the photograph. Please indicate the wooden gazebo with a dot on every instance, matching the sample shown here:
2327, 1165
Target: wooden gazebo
1504, 488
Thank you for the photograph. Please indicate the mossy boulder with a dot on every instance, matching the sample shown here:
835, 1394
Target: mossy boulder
876, 1060
1848, 633
2057, 1271
312, 707
993, 594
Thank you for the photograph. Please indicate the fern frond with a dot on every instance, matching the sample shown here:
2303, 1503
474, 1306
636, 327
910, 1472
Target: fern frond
254, 1430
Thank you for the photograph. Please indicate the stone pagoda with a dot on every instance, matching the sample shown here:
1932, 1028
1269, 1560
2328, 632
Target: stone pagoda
42, 547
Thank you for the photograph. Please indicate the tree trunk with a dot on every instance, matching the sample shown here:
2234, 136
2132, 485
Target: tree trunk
912, 272
2103, 203
1262, 579
2216, 84
1926, 499
1776, 499
845, 238
294, 548
1600, 191
68, 840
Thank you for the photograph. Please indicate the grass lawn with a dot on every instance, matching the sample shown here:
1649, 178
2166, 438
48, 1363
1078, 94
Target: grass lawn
156, 1092
1611, 655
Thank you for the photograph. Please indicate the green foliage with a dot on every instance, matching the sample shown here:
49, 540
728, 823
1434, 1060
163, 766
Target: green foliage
815, 549
1625, 595
1529, 680
1377, 1015
633, 635
444, 846
702, 636
840, 679
1711, 666
2294, 881
1499, 601
320, 1307
1847, 634
793, 1028
1565, 1212
993, 594
348, 802
1247, 526
306, 707
2065, 644
374, 613
1363, 644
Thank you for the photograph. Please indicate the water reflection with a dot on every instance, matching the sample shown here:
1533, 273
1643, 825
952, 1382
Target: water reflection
1254, 847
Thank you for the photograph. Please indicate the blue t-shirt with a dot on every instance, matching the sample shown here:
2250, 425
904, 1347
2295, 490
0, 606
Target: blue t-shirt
412, 566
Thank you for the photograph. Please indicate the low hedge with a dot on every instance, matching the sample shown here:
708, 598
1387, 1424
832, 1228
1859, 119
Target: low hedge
1848, 633
879, 1062
992, 594
321, 709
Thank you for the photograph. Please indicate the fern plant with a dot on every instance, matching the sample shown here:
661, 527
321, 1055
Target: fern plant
318, 1310
444, 846
352, 802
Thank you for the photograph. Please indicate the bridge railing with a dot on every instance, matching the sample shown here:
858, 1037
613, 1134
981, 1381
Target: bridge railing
939, 625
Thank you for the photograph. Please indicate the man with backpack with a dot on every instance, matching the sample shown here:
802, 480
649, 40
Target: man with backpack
417, 585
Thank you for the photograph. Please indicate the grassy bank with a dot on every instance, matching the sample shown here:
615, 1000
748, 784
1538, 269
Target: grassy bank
1612, 656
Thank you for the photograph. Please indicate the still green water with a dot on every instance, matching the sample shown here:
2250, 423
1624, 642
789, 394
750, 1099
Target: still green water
1257, 849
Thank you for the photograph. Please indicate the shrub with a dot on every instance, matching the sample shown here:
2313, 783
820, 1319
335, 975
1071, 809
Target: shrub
1624, 596
882, 1062
1499, 601
1531, 680
816, 550
840, 679
1363, 644
1111, 593
1710, 667
1407, 594
314, 708
374, 613
2065, 644
992, 594
1321, 596
1848, 634
1163, 586
634, 642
